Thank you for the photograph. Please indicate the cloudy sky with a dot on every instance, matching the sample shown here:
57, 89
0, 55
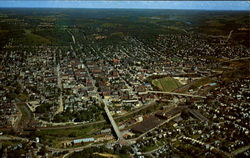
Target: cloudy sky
204, 5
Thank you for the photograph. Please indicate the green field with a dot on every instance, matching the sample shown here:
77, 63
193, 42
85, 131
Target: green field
54, 137
70, 132
166, 84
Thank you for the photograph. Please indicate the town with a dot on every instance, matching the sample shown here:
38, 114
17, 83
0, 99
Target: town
120, 94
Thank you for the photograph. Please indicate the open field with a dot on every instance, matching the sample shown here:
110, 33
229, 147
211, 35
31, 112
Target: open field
167, 84
54, 137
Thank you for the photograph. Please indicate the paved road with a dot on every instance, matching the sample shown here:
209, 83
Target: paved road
59, 84
236, 59
112, 121
12, 138
73, 37
230, 34
240, 150
76, 149
180, 94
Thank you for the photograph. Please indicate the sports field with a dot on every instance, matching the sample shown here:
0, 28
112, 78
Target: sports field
166, 84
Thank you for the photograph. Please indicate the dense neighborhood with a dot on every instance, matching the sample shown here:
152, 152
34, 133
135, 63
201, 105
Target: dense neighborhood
123, 95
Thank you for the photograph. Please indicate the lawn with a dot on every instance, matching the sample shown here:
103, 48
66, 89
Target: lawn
166, 84
149, 148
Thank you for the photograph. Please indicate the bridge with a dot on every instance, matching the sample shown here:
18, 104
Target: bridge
121, 140
178, 94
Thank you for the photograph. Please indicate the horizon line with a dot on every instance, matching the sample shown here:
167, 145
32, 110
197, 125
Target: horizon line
121, 8
180, 5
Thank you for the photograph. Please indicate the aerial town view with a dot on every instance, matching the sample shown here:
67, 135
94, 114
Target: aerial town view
112, 82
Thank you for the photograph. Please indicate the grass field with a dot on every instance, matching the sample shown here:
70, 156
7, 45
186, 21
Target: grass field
75, 132
166, 84
54, 137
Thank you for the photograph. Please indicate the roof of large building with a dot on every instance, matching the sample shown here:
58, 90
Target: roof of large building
147, 124
84, 140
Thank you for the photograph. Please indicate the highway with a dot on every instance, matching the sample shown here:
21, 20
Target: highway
73, 37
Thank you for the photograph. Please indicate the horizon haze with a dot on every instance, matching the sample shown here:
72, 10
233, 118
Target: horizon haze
184, 5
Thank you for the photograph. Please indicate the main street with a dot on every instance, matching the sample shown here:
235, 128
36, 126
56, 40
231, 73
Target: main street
59, 84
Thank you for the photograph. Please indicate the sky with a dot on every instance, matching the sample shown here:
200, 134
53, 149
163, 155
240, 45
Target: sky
201, 5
